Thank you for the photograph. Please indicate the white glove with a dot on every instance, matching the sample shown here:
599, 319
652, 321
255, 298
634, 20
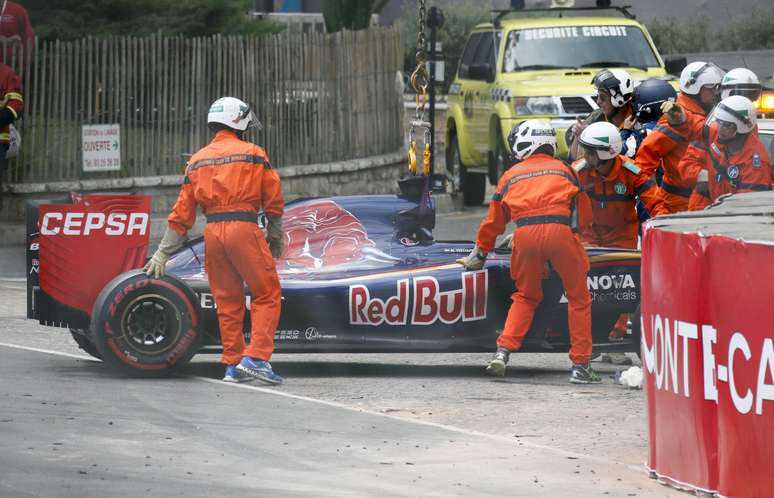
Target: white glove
170, 243
473, 261
275, 236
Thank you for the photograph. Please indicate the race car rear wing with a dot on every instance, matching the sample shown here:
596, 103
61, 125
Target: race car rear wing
76, 245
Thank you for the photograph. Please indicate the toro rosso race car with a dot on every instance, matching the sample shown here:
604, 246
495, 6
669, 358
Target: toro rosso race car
358, 274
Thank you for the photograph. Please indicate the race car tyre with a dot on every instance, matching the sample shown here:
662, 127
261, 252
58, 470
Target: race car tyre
498, 160
82, 339
472, 185
144, 326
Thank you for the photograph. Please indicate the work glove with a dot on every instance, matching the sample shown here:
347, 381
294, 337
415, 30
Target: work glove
170, 243
675, 115
275, 236
702, 185
473, 261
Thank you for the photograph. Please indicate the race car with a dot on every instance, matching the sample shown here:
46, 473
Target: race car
358, 274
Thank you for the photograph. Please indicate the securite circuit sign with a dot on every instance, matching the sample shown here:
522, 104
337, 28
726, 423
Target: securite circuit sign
101, 146
708, 359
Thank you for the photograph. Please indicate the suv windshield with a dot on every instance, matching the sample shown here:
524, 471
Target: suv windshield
578, 46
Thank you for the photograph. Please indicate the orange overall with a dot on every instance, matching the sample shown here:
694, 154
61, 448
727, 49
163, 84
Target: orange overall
745, 170
538, 194
232, 180
665, 147
613, 199
614, 216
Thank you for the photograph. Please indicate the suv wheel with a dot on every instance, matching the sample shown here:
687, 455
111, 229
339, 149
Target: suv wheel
472, 185
498, 160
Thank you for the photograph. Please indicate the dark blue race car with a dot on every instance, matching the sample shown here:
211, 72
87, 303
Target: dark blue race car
358, 274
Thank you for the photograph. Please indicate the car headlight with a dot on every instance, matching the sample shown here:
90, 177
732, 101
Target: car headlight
531, 106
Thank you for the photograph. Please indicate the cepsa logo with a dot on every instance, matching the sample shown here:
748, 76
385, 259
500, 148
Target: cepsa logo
74, 223
430, 303
674, 342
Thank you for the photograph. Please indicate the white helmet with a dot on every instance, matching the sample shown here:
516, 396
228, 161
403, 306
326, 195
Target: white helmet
737, 110
604, 138
618, 83
528, 136
698, 74
233, 113
740, 81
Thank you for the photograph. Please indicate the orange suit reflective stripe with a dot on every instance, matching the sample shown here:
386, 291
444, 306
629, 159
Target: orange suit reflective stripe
541, 186
231, 175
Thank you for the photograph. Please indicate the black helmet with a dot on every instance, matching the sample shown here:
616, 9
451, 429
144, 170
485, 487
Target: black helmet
648, 97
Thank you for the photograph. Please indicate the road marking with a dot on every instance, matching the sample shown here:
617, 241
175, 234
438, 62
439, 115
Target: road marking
451, 428
48, 351
334, 404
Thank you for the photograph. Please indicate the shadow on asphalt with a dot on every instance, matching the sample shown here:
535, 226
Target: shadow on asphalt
310, 369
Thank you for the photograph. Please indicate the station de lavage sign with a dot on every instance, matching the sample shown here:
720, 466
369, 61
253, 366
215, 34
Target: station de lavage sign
101, 146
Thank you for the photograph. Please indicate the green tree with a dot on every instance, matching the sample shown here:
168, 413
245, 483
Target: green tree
349, 14
71, 19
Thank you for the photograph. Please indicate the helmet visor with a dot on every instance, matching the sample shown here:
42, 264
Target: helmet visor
252, 120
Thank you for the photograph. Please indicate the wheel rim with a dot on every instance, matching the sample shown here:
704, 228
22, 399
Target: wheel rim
151, 324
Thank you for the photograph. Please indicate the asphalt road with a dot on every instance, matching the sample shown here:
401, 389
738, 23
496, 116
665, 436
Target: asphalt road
341, 425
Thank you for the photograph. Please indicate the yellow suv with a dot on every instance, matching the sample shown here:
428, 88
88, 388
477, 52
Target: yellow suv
533, 67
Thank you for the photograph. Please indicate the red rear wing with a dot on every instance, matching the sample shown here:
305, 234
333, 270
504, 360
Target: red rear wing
82, 246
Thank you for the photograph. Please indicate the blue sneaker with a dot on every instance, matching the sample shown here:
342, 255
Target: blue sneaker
235, 376
259, 369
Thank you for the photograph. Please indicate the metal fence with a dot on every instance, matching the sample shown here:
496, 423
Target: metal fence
321, 98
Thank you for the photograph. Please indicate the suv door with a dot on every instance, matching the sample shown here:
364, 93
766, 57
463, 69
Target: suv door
482, 74
467, 92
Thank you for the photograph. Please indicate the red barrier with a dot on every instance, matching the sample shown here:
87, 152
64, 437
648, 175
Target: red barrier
708, 360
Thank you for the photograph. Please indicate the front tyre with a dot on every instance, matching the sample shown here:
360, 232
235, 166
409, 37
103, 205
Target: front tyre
144, 326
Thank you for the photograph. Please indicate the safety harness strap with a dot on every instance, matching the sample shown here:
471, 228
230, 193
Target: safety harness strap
250, 216
646, 186
542, 220
675, 190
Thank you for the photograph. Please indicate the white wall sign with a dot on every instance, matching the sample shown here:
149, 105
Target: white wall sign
101, 145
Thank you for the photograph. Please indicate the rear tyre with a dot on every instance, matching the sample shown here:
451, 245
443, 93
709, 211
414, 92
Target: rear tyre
472, 185
82, 339
146, 327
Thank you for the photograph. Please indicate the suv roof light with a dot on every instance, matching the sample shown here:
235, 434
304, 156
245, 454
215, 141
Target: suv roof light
622, 9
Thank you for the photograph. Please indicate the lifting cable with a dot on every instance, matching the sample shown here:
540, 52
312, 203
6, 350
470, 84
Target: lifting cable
420, 82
